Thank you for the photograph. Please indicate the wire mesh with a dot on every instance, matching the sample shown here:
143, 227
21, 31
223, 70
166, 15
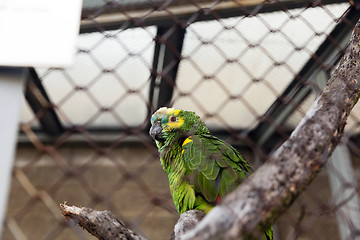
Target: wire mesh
250, 69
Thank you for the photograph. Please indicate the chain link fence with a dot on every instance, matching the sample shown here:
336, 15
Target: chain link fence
250, 69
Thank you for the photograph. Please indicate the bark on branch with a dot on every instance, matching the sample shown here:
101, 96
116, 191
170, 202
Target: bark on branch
187, 221
101, 224
271, 189
104, 225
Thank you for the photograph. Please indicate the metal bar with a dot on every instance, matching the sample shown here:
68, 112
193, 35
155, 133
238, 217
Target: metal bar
40, 104
154, 78
113, 16
343, 186
299, 88
172, 46
169, 43
11, 90
107, 136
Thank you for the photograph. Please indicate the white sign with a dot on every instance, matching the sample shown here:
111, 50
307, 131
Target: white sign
39, 33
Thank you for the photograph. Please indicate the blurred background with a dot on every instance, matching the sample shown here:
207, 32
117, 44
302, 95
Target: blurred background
250, 69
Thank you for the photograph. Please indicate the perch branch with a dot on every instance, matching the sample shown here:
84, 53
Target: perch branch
187, 221
105, 226
102, 224
271, 189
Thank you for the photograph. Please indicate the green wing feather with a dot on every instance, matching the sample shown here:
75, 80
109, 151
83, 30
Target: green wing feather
213, 166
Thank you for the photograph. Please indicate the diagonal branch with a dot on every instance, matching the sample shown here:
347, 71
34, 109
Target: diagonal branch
271, 189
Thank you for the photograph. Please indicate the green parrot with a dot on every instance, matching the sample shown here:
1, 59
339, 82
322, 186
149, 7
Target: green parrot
201, 168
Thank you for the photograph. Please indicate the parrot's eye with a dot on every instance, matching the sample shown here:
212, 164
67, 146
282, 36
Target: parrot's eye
173, 119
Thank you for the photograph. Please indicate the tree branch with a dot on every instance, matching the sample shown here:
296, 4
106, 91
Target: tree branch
271, 189
187, 221
102, 224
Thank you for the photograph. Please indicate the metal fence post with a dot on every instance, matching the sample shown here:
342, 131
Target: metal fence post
11, 91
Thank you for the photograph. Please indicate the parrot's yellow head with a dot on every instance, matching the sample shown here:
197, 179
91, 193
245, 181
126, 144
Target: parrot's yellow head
175, 123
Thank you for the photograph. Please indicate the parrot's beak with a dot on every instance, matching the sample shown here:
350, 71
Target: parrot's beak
156, 131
